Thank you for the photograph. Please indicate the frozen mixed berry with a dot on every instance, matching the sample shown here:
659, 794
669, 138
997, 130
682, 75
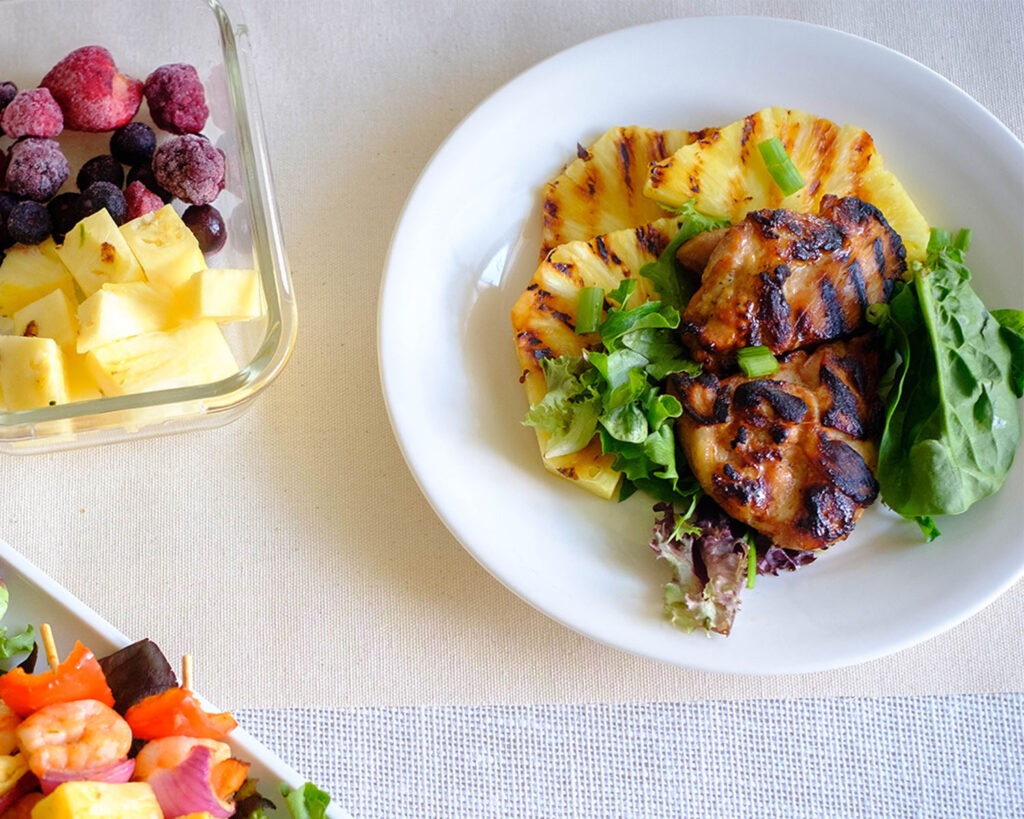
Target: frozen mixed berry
29, 223
207, 225
102, 168
33, 112
7, 203
8, 90
176, 99
3, 166
100, 195
140, 200
92, 93
36, 168
63, 213
144, 174
133, 144
190, 167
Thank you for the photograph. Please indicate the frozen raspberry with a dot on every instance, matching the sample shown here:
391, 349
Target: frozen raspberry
144, 174
100, 195
140, 200
29, 223
207, 225
102, 168
63, 213
92, 93
36, 168
191, 168
32, 113
176, 99
133, 144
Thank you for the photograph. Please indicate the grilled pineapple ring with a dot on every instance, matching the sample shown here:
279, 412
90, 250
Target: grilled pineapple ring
601, 224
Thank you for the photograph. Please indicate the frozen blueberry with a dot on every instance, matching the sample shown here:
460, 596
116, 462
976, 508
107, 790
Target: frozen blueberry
29, 223
101, 195
133, 144
207, 225
8, 90
176, 99
145, 175
102, 168
190, 167
33, 112
140, 200
7, 203
36, 168
63, 213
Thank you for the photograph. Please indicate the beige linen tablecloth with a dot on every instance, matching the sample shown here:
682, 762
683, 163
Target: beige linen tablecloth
291, 551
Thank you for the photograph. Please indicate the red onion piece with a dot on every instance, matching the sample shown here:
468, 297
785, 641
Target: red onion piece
186, 788
117, 772
25, 783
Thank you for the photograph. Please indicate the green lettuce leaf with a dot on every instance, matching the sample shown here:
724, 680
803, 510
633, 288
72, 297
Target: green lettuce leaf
307, 802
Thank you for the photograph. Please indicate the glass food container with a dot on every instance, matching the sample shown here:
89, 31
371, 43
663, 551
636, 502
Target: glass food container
142, 35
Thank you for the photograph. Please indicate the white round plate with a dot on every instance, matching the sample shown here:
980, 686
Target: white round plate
467, 244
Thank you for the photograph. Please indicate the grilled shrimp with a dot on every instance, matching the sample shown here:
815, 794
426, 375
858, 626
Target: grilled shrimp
73, 736
169, 752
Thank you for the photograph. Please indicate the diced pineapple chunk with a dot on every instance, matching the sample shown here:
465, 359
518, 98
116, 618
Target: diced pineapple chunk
78, 378
29, 272
121, 310
99, 800
193, 353
165, 247
52, 316
222, 294
12, 768
96, 252
31, 372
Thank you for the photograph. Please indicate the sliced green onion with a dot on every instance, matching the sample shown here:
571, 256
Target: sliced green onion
756, 361
588, 310
751, 562
780, 166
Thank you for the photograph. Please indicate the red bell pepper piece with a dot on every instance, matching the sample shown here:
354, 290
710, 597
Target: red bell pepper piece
176, 712
79, 677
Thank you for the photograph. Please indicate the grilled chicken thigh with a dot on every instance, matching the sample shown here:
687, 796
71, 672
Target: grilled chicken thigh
790, 455
785, 280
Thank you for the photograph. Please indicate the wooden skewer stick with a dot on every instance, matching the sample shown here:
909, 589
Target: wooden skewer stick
186, 672
46, 633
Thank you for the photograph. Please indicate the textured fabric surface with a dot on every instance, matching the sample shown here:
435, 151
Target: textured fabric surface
887, 757
298, 529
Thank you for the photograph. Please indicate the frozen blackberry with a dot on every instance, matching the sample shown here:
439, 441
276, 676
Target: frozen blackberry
100, 195
176, 99
102, 168
140, 200
144, 174
133, 144
32, 113
29, 223
36, 168
207, 225
190, 167
63, 213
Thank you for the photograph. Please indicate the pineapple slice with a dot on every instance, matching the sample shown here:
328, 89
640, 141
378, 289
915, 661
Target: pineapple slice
52, 316
28, 273
190, 354
724, 171
31, 372
602, 189
96, 252
222, 294
99, 800
165, 247
544, 316
121, 310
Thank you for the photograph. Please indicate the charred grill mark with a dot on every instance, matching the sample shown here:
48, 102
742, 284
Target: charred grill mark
601, 248
741, 437
625, 162
532, 286
565, 318
748, 129
878, 247
859, 285
582, 153
786, 406
733, 485
835, 318
828, 514
528, 339
720, 412
849, 474
778, 433
844, 410
773, 313
650, 240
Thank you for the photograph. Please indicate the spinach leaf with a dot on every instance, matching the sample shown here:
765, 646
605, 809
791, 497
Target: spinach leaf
952, 424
